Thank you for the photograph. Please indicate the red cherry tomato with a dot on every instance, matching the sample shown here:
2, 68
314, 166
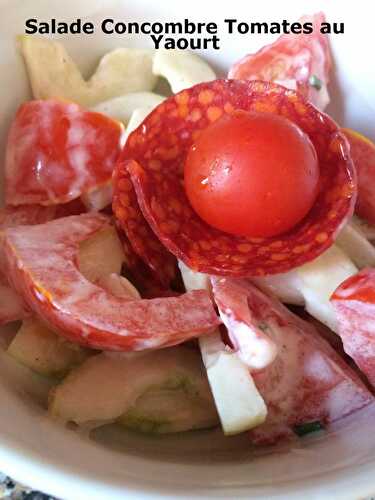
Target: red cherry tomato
252, 174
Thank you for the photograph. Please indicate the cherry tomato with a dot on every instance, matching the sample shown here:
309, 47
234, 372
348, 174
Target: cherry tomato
252, 174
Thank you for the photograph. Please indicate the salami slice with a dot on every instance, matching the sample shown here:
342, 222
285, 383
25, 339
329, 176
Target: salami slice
300, 62
142, 239
25, 215
41, 263
154, 156
57, 151
308, 381
354, 304
19, 216
12, 307
362, 151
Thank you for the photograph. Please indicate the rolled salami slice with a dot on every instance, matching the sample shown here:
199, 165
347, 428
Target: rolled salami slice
42, 266
142, 239
354, 304
301, 62
57, 151
362, 151
154, 157
308, 381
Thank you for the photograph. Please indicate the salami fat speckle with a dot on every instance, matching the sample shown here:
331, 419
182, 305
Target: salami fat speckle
57, 151
41, 262
154, 158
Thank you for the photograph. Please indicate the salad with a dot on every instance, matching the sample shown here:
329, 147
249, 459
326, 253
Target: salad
191, 260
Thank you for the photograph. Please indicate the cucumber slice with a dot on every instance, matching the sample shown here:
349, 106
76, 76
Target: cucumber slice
136, 119
44, 352
238, 402
169, 410
320, 278
110, 386
101, 255
352, 240
285, 286
121, 108
313, 283
366, 227
181, 68
53, 73
119, 287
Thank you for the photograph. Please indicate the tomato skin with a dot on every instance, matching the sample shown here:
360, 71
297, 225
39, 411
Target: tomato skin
252, 174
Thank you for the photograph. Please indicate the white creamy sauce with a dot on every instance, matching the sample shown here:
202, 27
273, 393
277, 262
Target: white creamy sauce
79, 158
45, 118
81, 137
316, 368
287, 366
76, 134
253, 347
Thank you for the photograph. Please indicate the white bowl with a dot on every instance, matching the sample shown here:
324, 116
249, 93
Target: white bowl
114, 465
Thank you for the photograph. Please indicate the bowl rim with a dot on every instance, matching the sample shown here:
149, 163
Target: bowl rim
29, 467
60, 479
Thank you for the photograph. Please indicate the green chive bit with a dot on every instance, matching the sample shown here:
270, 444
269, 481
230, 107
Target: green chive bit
315, 82
307, 428
263, 326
